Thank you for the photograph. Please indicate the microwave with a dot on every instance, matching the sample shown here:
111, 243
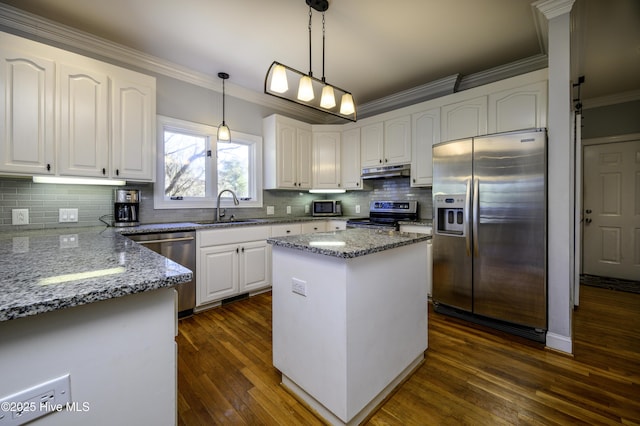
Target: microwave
326, 208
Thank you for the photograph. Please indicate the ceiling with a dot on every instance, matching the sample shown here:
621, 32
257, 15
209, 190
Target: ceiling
374, 48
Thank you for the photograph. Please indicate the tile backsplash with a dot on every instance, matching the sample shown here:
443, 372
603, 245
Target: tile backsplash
94, 202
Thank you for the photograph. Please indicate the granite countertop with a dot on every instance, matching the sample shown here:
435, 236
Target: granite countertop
54, 269
350, 243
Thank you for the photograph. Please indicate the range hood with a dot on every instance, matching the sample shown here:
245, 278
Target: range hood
379, 172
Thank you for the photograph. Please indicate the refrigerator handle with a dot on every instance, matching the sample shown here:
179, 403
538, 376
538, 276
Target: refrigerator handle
476, 213
467, 218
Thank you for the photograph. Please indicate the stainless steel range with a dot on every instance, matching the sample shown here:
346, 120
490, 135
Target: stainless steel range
386, 215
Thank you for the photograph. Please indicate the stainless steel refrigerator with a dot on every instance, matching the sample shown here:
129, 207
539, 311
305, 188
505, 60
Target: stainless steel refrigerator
489, 234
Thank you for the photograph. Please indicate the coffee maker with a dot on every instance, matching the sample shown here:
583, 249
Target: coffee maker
126, 209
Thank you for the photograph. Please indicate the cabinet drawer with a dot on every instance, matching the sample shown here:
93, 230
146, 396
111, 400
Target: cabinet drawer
315, 226
286, 229
212, 237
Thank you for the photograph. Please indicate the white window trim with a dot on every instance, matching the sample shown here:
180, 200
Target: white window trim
159, 200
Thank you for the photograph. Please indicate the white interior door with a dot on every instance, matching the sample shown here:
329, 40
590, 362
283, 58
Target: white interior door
611, 225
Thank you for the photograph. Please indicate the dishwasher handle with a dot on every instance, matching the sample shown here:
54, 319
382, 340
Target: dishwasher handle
166, 240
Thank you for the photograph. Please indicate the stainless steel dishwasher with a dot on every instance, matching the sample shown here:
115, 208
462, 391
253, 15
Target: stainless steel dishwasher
181, 248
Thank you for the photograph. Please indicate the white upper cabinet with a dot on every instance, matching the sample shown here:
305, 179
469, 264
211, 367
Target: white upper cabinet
518, 108
133, 130
464, 119
83, 109
372, 145
397, 141
103, 115
350, 167
287, 153
386, 143
27, 91
426, 132
326, 160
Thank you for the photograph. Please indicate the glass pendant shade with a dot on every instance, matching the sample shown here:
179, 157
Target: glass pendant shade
346, 105
305, 89
328, 99
279, 80
224, 134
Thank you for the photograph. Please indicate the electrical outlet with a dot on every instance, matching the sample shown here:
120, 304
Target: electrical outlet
270, 210
306, 208
288, 209
37, 401
67, 215
357, 208
20, 216
299, 287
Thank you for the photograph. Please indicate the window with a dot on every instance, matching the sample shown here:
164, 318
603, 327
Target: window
192, 170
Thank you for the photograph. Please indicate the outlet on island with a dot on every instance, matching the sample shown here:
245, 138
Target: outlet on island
299, 286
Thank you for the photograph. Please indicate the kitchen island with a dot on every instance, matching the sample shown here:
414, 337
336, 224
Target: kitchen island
91, 304
349, 317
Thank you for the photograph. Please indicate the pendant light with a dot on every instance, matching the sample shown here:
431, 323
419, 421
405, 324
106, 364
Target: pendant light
328, 99
278, 76
224, 135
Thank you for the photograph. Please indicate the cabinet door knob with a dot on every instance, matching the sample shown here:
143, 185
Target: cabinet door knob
104, 171
380, 161
117, 172
237, 250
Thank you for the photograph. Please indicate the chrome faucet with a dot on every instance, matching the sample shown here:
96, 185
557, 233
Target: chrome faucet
235, 202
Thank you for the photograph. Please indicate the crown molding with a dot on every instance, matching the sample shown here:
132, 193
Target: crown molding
512, 69
554, 8
618, 98
431, 90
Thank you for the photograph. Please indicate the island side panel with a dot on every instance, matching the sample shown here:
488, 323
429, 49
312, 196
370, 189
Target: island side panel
120, 354
362, 322
309, 332
386, 319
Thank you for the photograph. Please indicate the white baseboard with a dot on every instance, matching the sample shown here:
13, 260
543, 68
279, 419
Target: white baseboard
559, 343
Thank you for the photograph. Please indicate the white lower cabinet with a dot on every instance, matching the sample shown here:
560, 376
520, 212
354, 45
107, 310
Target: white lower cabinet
424, 229
231, 262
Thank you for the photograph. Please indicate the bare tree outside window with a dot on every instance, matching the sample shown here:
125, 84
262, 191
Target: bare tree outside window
184, 161
233, 168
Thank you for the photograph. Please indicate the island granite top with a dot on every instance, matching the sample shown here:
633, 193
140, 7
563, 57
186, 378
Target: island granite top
47, 270
348, 244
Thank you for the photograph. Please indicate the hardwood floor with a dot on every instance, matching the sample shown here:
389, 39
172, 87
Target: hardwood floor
471, 375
